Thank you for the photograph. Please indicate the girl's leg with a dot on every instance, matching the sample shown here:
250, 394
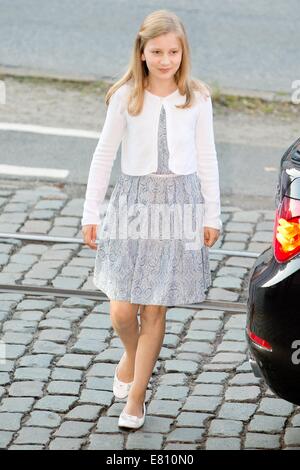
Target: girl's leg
153, 320
125, 323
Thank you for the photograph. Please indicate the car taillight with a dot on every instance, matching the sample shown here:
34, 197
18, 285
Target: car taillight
287, 230
262, 343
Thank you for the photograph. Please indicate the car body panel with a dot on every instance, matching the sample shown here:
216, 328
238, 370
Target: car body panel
273, 306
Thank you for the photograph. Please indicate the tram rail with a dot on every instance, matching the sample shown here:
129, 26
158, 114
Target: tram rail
52, 239
238, 307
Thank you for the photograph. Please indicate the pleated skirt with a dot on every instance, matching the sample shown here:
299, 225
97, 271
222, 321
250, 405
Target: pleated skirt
151, 248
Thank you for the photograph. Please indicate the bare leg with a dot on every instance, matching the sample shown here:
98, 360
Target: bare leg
125, 323
153, 320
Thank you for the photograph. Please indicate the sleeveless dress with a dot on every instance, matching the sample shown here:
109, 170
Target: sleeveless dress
169, 267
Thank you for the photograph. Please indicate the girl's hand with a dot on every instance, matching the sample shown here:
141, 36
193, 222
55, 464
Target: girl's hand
89, 233
211, 235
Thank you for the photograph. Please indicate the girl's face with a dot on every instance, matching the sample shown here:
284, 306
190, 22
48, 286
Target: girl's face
163, 56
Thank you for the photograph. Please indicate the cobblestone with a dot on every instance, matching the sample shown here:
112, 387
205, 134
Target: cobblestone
265, 423
29, 435
164, 408
106, 442
185, 435
57, 403
237, 411
206, 403
63, 388
73, 429
84, 413
217, 443
292, 436
181, 366
26, 389
176, 393
95, 397
60, 443
208, 389
242, 393
212, 377
5, 438
32, 373
76, 361
45, 419
275, 406
10, 421
261, 441
143, 440
56, 383
225, 427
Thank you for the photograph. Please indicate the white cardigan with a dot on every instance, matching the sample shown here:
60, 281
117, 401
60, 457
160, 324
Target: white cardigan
191, 147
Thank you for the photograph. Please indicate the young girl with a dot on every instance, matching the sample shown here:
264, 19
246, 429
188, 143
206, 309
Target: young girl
164, 120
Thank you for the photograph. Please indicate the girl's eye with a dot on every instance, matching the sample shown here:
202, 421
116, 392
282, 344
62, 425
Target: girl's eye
174, 52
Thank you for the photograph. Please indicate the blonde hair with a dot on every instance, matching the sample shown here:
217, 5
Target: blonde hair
157, 23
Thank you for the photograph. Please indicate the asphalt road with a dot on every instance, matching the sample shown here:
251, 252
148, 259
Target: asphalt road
241, 167
240, 44
233, 43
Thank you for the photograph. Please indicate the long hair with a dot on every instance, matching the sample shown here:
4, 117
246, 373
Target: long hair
156, 23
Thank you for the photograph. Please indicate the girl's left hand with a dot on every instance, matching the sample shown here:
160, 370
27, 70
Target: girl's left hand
211, 235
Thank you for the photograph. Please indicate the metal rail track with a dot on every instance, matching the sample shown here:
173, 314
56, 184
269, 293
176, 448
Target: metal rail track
51, 239
98, 295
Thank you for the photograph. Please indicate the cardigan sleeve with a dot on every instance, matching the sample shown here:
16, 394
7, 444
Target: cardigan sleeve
103, 158
207, 164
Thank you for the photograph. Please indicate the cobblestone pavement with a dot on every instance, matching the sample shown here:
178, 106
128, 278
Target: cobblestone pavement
61, 353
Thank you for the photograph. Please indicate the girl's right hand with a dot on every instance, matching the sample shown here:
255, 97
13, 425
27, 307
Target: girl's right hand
89, 233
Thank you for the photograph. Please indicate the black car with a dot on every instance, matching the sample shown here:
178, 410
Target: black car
273, 304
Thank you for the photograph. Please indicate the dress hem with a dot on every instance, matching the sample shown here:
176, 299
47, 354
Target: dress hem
142, 302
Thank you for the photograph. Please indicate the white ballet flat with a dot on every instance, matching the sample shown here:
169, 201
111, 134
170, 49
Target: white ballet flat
120, 389
131, 421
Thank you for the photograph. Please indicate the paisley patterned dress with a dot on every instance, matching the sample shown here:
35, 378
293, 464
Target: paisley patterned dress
168, 267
